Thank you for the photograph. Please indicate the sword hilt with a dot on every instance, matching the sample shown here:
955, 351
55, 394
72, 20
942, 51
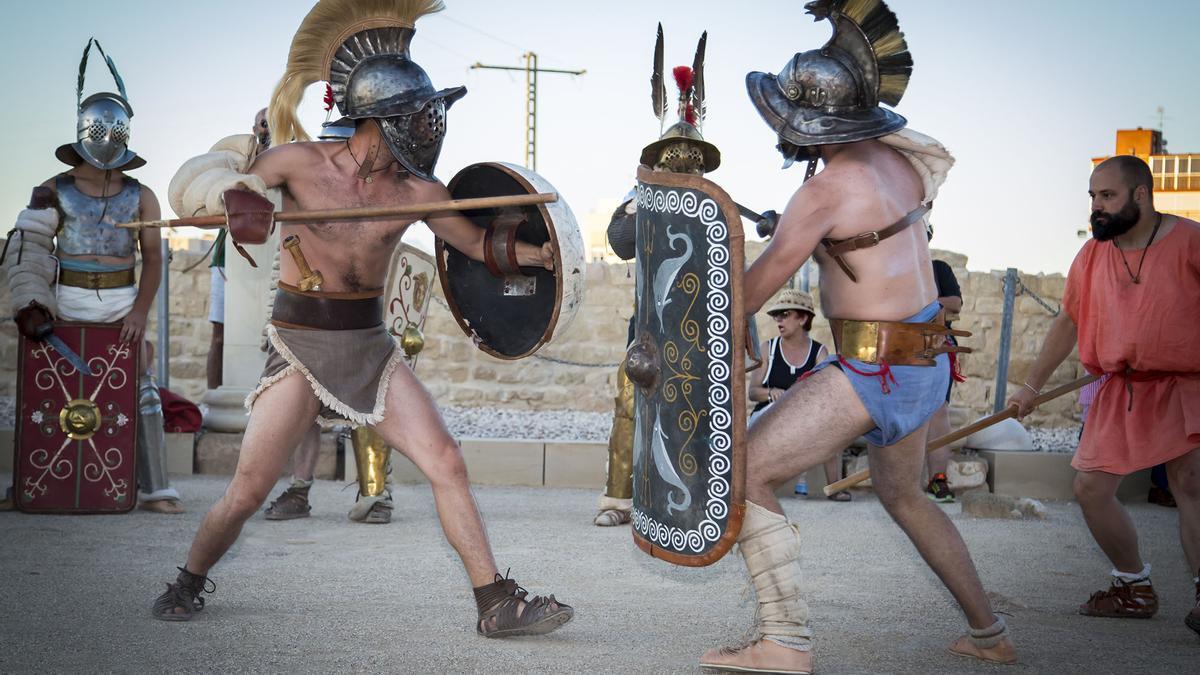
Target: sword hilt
310, 279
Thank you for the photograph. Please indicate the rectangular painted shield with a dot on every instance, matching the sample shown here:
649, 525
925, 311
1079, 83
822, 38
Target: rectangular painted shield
76, 432
690, 405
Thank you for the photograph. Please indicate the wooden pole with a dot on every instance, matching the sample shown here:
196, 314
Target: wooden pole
983, 423
367, 212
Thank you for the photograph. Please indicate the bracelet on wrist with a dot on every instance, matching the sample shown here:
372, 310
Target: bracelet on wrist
1036, 392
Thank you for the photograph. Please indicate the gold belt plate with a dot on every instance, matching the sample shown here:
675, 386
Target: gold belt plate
860, 341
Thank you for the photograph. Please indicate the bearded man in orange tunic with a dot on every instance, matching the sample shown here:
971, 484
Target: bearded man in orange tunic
1133, 305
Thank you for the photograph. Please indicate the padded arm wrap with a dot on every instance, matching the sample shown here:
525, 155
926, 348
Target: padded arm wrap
30, 264
196, 188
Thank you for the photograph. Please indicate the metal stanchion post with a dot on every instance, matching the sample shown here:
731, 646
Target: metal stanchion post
1010, 292
164, 317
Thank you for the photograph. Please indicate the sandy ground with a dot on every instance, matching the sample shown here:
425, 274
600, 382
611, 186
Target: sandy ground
323, 594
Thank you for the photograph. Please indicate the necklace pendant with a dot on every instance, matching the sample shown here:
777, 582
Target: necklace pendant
1137, 280
370, 179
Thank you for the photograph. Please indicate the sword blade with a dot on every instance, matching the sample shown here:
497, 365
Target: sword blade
62, 348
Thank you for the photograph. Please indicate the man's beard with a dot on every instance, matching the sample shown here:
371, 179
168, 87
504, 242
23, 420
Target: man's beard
1106, 226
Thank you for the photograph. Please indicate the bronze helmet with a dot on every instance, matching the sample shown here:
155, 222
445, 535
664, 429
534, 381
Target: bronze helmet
681, 148
832, 94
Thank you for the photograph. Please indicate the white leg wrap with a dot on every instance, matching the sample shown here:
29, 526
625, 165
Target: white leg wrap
770, 545
986, 638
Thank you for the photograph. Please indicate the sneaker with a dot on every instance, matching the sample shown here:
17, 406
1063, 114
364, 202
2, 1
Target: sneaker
1123, 601
939, 489
291, 504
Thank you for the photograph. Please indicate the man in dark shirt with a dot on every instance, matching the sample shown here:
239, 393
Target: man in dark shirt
950, 296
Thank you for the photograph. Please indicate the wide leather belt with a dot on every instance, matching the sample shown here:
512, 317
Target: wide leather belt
894, 342
326, 311
96, 280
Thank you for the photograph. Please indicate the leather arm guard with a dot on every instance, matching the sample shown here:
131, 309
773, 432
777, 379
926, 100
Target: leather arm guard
29, 261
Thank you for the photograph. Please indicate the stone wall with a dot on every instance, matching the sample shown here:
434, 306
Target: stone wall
458, 374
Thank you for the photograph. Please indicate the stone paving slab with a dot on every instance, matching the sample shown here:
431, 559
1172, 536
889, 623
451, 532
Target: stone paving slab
324, 595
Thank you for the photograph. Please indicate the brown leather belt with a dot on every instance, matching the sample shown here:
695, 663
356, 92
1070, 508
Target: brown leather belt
326, 311
96, 280
894, 342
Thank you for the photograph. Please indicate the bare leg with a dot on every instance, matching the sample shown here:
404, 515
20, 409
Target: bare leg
939, 425
1183, 473
216, 355
833, 469
1108, 520
413, 426
815, 419
305, 462
281, 416
896, 475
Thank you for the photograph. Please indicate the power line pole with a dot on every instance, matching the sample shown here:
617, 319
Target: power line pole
531, 74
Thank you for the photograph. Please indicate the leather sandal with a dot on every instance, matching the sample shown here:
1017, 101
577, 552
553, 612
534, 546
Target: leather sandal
611, 517
1122, 601
292, 503
506, 610
182, 599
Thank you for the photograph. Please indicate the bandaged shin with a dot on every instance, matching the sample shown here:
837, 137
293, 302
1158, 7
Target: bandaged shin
770, 545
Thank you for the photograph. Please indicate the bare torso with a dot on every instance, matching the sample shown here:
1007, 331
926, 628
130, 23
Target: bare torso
351, 255
877, 187
864, 187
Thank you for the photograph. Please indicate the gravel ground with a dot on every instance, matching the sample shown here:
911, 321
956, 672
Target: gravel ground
551, 425
1055, 439
325, 595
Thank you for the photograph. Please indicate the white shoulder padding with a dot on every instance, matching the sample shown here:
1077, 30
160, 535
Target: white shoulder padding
930, 159
30, 264
196, 188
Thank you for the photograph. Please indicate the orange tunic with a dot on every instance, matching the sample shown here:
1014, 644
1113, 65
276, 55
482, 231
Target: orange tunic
1152, 328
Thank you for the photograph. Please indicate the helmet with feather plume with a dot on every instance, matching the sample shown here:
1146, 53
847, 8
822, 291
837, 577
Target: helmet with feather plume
102, 127
833, 94
682, 148
361, 48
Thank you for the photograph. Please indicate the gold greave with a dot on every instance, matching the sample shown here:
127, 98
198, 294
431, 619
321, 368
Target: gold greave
620, 441
770, 546
372, 456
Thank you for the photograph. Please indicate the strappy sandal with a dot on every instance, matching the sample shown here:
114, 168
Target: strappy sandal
182, 599
505, 610
611, 517
840, 496
292, 503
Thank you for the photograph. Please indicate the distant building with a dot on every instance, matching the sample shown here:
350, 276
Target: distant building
1176, 177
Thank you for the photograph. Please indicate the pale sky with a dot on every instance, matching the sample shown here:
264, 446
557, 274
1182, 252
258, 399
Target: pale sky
1023, 93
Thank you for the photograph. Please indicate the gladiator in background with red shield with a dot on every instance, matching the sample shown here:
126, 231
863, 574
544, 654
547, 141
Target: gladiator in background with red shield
331, 356
89, 418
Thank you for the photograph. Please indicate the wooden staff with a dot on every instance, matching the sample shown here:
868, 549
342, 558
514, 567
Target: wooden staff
983, 423
368, 212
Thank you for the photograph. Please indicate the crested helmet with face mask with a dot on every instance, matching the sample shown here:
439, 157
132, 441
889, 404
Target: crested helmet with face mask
361, 47
682, 148
833, 94
103, 124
